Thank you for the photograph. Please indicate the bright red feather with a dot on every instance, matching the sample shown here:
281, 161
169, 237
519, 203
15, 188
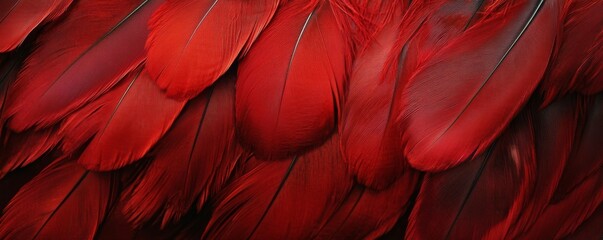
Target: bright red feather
290, 83
191, 44
117, 141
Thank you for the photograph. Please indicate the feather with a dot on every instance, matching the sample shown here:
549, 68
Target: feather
591, 71
451, 115
194, 42
21, 149
370, 139
63, 194
18, 18
95, 46
116, 139
13, 181
591, 228
8, 73
491, 188
578, 43
285, 199
574, 208
192, 161
587, 155
554, 129
368, 214
290, 83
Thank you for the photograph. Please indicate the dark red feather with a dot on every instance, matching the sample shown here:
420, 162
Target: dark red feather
462, 97
63, 200
554, 129
21, 149
579, 46
19, 17
368, 214
287, 199
491, 188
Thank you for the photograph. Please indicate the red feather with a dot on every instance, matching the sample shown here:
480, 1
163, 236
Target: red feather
587, 154
117, 140
193, 42
368, 214
591, 228
192, 161
63, 200
489, 72
491, 188
554, 128
564, 216
578, 46
282, 199
95, 46
290, 83
21, 149
19, 17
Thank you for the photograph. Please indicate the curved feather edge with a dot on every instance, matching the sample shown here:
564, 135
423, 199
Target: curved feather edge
191, 162
555, 128
292, 104
63, 194
18, 18
502, 177
286, 199
94, 47
192, 43
116, 139
447, 121
367, 213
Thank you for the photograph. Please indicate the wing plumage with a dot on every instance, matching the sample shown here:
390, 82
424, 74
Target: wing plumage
296, 119
461, 98
101, 37
63, 194
292, 104
285, 199
191, 45
18, 18
193, 160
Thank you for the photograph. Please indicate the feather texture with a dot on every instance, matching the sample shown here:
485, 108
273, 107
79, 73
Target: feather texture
368, 214
19, 17
63, 194
569, 68
192, 161
282, 199
554, 129
194, 42
574, 208
370, 141
491, 188
290, 83
448, 121
21, 149
587, 155
117, 142
95, 46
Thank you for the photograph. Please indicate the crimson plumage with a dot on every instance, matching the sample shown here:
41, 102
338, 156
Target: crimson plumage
292, 119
